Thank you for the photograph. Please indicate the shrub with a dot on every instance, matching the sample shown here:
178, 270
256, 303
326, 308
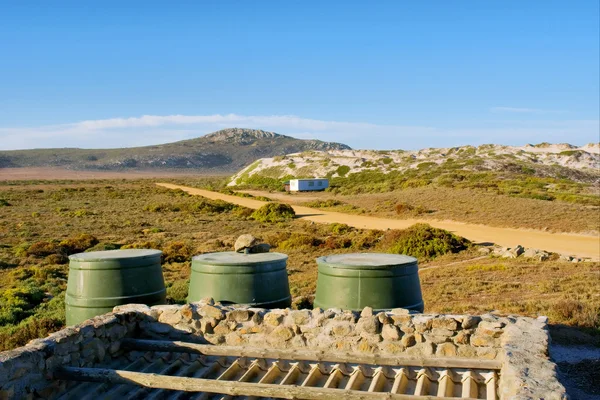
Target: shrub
333, 243
274, 212
43, 248
4, 203
299, 240
340, 229
342, 170
386, 160
423, 241
575, 312
324, 203
78, 244
177, 252
177, 292
162, 207
212, 206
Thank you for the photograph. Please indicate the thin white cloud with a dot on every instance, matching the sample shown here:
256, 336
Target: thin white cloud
524, 110
156, 129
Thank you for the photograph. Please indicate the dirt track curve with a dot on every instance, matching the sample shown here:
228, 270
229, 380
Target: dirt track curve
563, 243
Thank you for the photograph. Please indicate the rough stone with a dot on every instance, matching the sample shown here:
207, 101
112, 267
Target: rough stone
212, 311
470, 321
461, 337
368, 324
234, 339
300, 317
281, 334
342, 329
366, 312
445, 323
222, 328
273, 319
390, 332
244, 242
421, 349
408, 340
187, 312
446, 350
422, 323
239, 315
482, 341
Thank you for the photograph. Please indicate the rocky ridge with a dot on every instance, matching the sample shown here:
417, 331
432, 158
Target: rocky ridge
224, 151
579, 163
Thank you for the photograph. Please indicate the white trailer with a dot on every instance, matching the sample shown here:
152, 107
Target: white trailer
305, 185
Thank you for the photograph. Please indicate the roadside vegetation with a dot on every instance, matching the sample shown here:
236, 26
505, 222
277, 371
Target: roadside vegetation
42, 223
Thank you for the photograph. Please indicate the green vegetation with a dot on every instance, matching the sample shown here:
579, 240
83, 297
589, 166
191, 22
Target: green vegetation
274, 212
342, 170
138, 214
423, 241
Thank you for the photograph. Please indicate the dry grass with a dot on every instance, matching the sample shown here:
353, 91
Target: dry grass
467, 205
132, 214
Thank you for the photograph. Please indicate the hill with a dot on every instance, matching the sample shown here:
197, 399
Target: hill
579, 164
545, 172
226, 150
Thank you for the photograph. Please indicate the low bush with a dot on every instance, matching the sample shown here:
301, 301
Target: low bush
212, 206
324, 203
423, 241
340, 229
177, 252
274, 212
298, 241
44, 248
177, 292
4, 203
162, 207
78, 244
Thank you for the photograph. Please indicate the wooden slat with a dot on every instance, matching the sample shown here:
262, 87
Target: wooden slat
309, 355
222, 387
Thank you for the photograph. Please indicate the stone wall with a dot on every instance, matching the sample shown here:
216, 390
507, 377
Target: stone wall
519, 343
392, 332
26, 372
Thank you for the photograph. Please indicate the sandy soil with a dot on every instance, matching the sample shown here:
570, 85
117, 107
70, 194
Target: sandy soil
18, 174
563, 243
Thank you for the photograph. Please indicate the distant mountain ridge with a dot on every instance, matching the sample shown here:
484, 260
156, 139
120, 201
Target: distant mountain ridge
224, 151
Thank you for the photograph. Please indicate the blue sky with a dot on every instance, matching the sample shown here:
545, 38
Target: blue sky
383, 74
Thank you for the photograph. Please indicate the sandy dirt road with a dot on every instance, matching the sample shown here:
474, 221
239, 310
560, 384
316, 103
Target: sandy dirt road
563, 243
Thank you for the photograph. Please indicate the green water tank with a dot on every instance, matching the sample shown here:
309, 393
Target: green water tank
259, 280
101, 280
380, 281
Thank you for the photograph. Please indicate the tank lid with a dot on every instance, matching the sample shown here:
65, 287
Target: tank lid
114, 255
234, 258
367, 261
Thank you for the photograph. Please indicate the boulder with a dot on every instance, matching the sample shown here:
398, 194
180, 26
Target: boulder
244, 242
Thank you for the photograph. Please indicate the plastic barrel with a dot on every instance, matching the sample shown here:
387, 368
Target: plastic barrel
101, 280
380, 281
259, 280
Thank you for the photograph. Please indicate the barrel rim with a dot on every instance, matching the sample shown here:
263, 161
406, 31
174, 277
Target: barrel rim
115, 255
238, 259
340, 261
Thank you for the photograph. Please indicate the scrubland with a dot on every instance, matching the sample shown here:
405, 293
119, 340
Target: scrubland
41, 223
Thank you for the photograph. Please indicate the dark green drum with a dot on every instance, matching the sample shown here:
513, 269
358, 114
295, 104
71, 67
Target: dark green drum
101, 280
380, 281
259, 280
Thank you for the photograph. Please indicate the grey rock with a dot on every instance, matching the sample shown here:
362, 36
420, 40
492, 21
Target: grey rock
244, 242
